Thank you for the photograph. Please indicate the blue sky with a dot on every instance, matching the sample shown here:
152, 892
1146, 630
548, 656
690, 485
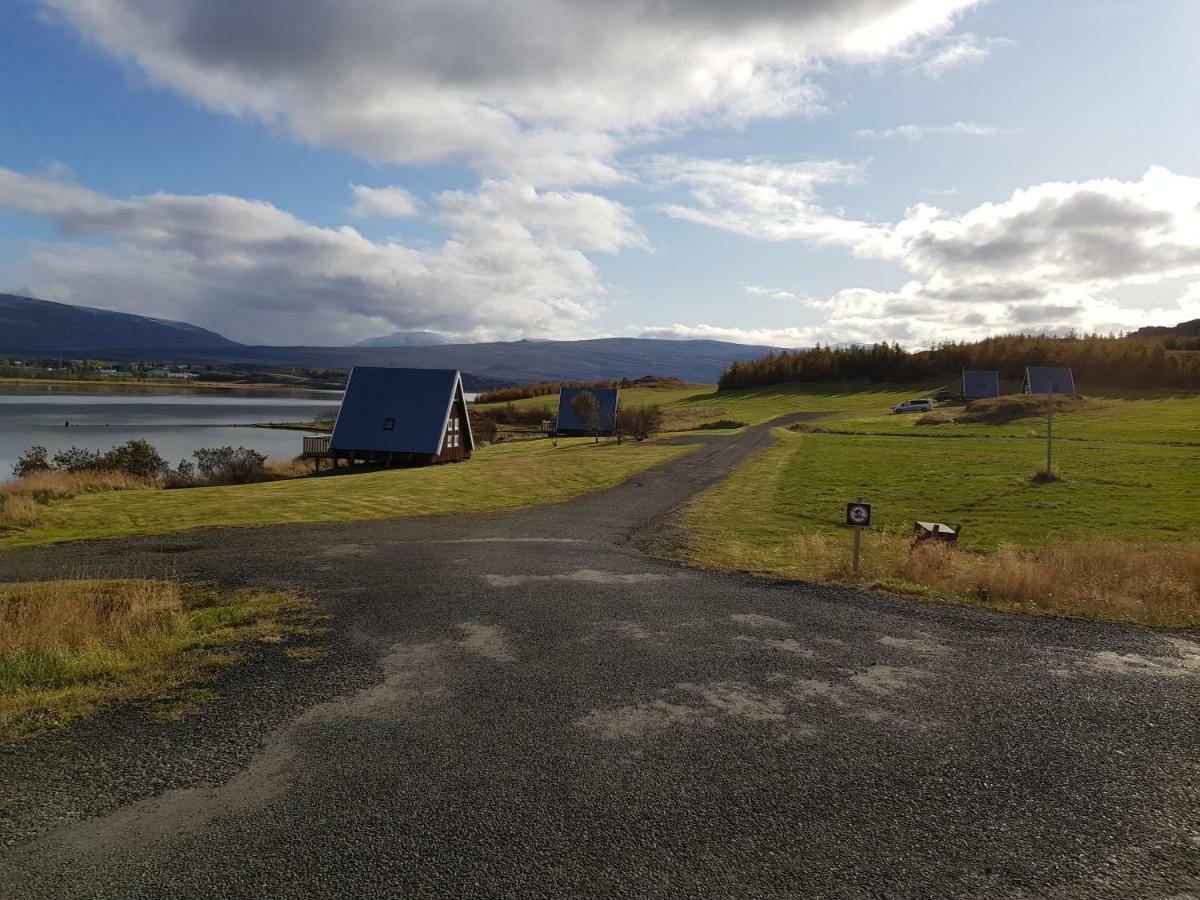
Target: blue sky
751, 174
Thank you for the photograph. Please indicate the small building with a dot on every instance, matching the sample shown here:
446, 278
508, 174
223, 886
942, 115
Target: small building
400, 417
978, 384
1048, 380
568, 422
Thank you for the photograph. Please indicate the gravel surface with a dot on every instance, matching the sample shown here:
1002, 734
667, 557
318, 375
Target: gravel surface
528, 704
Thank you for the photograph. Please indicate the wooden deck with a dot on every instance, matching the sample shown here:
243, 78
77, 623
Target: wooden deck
317, 445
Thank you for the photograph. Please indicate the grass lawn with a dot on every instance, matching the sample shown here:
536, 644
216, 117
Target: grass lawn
71, 646
1131, 469
497, 477
693, 404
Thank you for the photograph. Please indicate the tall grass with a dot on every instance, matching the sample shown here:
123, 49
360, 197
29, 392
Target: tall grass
1101, 579
68, 646
22, 500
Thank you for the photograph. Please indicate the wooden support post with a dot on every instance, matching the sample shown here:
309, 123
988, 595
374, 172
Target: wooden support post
857, 548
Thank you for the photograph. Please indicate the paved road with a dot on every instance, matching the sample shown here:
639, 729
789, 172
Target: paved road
528, 704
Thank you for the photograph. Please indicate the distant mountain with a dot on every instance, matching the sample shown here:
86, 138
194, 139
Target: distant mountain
406, 339
29, 326
514, 361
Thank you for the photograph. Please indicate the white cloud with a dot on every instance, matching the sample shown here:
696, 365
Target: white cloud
773, 293
546, 91
960, 50
916, 132
514, 262
1051, 257
761, 199
391, 202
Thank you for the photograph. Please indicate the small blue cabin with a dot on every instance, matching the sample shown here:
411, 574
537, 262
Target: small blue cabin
606, 402
1048, 380
402, 417
978, 384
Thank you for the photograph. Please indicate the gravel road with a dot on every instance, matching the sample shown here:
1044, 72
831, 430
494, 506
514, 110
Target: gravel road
531, 704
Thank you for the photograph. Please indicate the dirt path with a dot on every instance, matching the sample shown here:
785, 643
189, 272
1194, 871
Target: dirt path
528, 704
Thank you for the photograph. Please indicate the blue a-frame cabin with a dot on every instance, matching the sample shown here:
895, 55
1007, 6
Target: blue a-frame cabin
402, 417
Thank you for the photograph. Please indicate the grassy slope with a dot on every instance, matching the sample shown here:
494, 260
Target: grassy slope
1131, 466
703, 403
501, 476
1132, 469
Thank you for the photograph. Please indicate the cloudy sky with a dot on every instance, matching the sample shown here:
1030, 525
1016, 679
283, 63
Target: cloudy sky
767, 172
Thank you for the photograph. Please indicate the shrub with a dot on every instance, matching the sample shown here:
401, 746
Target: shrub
721, 425
78, 459
641, 422
32, 460
183, 475
137, 458
230, 465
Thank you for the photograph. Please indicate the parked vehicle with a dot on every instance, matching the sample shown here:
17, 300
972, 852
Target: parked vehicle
924, 405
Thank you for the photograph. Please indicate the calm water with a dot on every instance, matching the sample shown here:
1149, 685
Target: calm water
175, 420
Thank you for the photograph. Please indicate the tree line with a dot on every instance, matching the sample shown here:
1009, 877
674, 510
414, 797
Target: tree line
1095, 359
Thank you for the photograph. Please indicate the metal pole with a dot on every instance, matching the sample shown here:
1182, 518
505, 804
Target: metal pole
1050, 435
857, 547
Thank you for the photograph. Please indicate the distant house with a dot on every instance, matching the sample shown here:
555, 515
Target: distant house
1048, 380
568, 422
979, 383
400, 417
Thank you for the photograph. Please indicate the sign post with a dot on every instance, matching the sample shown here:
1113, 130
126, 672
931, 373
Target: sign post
858, 517
1050, 435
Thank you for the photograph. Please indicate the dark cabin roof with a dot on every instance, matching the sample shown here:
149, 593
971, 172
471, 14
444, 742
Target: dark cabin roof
1038, 380
419, 400
606, 398
979, 383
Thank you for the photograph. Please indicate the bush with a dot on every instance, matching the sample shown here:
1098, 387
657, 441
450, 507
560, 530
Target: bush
183, 475
137, 458
77, 459
641, 422
32, 460
230, 465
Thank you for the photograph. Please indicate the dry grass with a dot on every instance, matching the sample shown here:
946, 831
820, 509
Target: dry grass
1098, 579
22, 500
297, 467
1009, 408
66, 647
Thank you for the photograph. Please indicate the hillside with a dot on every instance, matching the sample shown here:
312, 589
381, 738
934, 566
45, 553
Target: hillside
514, 361
29, 326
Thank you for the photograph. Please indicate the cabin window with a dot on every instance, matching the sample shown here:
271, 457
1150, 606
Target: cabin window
389, 424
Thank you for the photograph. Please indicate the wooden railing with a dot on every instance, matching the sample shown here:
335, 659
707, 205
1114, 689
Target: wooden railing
317, 445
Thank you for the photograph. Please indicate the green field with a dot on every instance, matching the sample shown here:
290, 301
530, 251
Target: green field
1131, 469
692, 404
497, 477
1130, 466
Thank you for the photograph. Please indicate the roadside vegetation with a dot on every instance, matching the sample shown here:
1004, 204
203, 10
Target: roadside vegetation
68, 647
1116, 537
502, 476
42, 481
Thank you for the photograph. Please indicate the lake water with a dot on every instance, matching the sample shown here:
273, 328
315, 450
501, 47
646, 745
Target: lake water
175, 420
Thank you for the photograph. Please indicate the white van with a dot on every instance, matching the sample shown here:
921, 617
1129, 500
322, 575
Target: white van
913, 406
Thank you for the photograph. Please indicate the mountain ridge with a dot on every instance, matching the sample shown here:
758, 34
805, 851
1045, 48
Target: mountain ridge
30, 325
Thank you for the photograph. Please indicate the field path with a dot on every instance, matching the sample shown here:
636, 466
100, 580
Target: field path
527, 703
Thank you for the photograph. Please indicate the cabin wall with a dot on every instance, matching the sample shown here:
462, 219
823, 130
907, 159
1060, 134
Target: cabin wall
454, 441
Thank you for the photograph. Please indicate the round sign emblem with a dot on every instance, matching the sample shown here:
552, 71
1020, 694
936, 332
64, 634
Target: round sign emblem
858, 514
